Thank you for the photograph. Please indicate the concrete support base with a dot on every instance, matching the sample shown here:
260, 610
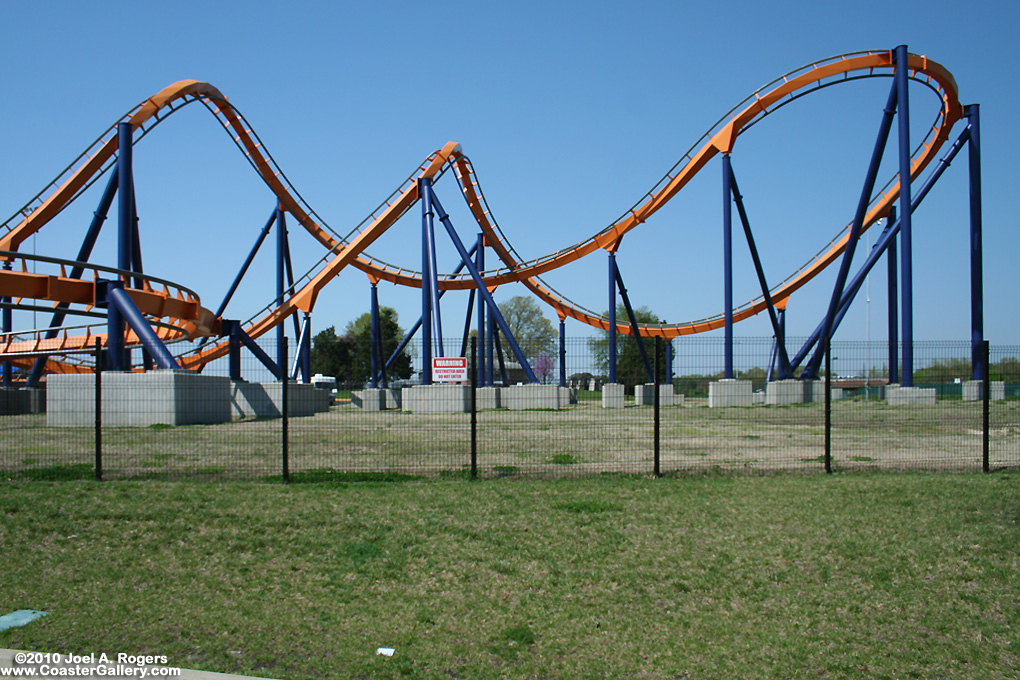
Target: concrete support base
393, 399
973, 390
265, 400
138, 399
369, 399
14, 401
568, 395
487, 398
436, 399
522, 397
781, 392
644, 395
896, 395
729, 393
612, 395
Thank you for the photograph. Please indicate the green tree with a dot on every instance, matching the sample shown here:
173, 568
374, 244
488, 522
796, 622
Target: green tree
630, 367
331, 354
944, 371
534, 333
361, 331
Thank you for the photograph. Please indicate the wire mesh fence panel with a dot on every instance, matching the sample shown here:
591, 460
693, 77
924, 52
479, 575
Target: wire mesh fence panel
1004, 408
573, 422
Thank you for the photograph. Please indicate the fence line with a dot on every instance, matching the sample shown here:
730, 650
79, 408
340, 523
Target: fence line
850, 426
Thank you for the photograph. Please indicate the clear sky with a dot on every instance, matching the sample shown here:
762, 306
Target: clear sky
570, 112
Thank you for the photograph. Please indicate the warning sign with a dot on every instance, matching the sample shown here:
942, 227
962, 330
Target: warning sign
452, 369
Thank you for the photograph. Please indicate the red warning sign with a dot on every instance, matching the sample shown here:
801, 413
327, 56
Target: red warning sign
449, 369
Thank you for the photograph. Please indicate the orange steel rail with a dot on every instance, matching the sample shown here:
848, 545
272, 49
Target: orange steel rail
350, 250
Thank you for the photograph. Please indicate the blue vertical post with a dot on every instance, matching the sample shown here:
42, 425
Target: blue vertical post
376, 337
563, 353
669, 361
977, 303
490, 353
427, 217
906, 238
612, 317
234, 345
727, 266
894, 304
8, 322
281, 250
480, 359
125, 249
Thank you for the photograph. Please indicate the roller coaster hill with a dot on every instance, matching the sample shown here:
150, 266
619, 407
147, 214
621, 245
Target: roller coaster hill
126, 308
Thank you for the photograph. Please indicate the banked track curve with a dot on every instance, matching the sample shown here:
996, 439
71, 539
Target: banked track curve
350, 249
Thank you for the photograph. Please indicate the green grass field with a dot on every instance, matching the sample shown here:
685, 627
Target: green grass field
862, 576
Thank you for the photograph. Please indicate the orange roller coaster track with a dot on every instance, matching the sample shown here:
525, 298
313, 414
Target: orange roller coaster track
347, 250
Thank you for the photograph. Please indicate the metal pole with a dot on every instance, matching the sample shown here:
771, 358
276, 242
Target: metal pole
125, 230
612, 317
563, 353
977, 302
8, 323
99, 410
426, 295
655, 407
727, 266
376, 338
986, 400
285, 423
474, 409
906, 237
828, 405
894, 305
281, 249
480, 264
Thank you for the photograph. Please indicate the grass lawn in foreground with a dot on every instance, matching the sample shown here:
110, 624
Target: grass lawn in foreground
864, 576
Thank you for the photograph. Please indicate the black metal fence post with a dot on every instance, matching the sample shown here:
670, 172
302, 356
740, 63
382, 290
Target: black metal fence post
656, 472
473, 381
285, 412
828, 405
99, 410
986, 386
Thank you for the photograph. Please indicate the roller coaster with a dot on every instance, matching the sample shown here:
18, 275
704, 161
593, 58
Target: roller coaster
141, 310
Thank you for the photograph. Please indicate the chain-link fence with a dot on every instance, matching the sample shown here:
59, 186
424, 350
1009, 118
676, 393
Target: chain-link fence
573, 422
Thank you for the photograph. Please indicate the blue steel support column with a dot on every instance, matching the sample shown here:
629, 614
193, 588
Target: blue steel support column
281, 249
480, 359
376, 337
669, 361
427, 218
563, 353
125, 250
234, 345
8, 322
906, 237
490, 353
306, 354
727, 266
612, 317
977, 301
894, 304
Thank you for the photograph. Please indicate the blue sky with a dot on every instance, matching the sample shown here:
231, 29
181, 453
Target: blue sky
569, 111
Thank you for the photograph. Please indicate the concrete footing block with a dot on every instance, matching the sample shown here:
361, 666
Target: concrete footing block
897, 395
568, 395
138, 399
436, 399
722, 393
265, 400
522, 397
369, 399
973, 390
781, 392
644, 395
612, 395
814, 391
487, 398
